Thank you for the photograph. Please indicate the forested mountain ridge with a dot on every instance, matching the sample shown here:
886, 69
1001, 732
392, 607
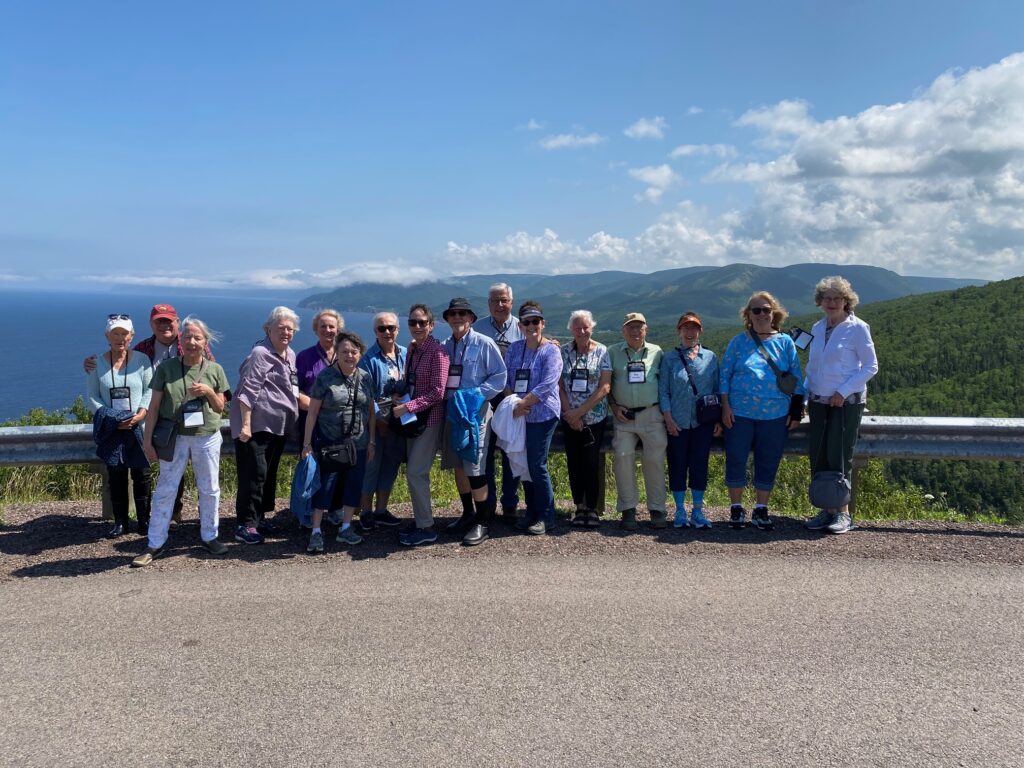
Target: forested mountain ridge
715, 292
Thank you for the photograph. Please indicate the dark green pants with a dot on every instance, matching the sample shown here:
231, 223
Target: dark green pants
826, 439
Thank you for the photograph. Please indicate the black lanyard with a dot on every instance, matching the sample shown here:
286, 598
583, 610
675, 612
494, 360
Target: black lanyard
585, 358
351, 401
501, 337
689, 371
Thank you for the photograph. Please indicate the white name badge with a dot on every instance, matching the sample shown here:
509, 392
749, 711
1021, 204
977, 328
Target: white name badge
522, 385
579, 381
120, 398
636, 372
454, 377
295, 385
192, 413
801, 338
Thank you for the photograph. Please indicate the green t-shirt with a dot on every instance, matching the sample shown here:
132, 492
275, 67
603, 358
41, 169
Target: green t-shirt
168, 379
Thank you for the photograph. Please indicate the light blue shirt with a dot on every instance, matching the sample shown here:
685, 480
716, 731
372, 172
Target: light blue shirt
136, 374
749, 381
384, 372
481, 361
674, 391
503, 334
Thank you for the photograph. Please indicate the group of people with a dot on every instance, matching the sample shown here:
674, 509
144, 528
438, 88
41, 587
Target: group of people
497, 386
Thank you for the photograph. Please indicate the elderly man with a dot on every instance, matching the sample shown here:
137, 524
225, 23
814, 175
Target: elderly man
385, 362
634, 404
162, 345
475, 363
503, 328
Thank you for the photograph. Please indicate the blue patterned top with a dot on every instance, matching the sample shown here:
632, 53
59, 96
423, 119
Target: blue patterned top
674, 391
594, 363
749, 381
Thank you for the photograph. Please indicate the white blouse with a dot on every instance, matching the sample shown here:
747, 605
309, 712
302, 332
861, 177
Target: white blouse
846, 363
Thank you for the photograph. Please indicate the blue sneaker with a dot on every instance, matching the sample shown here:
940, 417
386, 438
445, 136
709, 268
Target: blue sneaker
698, 519
418, 538
248, 535
680, 520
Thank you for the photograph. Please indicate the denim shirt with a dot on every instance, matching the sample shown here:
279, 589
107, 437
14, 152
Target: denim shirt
384, 372
502, 333
674, 390
481, 361
749, 381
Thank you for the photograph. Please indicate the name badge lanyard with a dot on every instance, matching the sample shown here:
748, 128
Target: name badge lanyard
579, 376
522, 382
350, 405
192, 410
293, 376
120, 397
455, 371
636, 371
501, 339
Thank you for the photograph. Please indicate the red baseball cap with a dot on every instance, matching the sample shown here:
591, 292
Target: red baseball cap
163, 310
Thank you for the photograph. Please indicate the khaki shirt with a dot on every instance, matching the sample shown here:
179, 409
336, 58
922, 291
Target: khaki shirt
634, 395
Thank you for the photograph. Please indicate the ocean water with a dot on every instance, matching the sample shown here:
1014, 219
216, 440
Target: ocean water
48, 334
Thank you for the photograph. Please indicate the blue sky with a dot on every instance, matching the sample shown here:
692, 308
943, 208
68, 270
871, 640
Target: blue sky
307, 144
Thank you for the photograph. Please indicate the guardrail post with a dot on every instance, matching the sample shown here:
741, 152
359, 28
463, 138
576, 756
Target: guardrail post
858, 464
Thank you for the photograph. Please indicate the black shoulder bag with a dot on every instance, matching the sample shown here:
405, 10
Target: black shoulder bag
709, 407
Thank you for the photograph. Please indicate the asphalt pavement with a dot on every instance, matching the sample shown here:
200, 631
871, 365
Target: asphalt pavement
518, 661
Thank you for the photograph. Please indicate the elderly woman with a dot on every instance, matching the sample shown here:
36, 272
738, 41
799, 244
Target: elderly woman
534, 369
385, 363
310, 361
759, 365
586, 379
421, 394
340, 429
688, 376
118, 396
263, 412
188, 390
842, 361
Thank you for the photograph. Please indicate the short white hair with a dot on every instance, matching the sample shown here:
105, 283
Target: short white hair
581, 314
381, 315
500, 288
277, 314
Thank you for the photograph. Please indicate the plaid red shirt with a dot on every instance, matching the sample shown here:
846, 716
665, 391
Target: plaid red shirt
429, 364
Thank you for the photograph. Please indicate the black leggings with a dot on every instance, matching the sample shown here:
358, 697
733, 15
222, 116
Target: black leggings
257, 462
118, 477
585, 462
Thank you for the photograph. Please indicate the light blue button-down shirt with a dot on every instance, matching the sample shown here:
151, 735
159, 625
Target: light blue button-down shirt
674, 391
481, 361
384, 372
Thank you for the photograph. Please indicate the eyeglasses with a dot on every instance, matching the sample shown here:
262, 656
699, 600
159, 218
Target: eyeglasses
499, 301
458, 312
531, 321
387, 328
119, 317
760, 310
418, 323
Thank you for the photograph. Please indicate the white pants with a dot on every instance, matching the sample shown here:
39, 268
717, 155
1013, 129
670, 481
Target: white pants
205, 453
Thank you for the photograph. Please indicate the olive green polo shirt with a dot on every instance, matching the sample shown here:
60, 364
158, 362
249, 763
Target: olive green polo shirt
634, 395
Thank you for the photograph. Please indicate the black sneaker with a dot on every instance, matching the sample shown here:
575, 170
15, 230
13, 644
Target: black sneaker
737, 516
367, 523
386, 519
759, 519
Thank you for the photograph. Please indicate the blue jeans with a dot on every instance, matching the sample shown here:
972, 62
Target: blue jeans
540, 498
768, 439
509, 484
688, 454
340, 484
382, 471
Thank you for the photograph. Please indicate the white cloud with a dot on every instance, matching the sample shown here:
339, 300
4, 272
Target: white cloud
658, 178
930, 186
703, 150
531, 125
545, 253
694, 110
647, 128
10, 277
571, 140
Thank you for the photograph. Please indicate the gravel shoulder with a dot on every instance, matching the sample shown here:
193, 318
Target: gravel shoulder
63, 539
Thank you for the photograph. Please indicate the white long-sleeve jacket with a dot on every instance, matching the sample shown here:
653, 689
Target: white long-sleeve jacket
845, 364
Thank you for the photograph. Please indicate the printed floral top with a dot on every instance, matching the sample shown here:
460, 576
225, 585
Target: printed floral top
594, 363
749, 381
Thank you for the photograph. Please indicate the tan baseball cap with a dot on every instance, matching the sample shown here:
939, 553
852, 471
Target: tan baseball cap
634, 317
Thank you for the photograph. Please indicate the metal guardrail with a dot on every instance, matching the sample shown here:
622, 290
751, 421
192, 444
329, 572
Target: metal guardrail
881, 437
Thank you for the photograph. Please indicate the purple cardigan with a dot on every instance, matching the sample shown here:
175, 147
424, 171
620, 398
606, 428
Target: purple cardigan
265, 385
545, 366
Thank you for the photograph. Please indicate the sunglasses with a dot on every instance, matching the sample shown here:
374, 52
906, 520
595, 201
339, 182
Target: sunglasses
531, 321
418, 323
458, 312
760, 310
119, 317
387, 328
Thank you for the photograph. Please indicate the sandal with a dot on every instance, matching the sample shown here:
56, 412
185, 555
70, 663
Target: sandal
593, 519
580, 520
